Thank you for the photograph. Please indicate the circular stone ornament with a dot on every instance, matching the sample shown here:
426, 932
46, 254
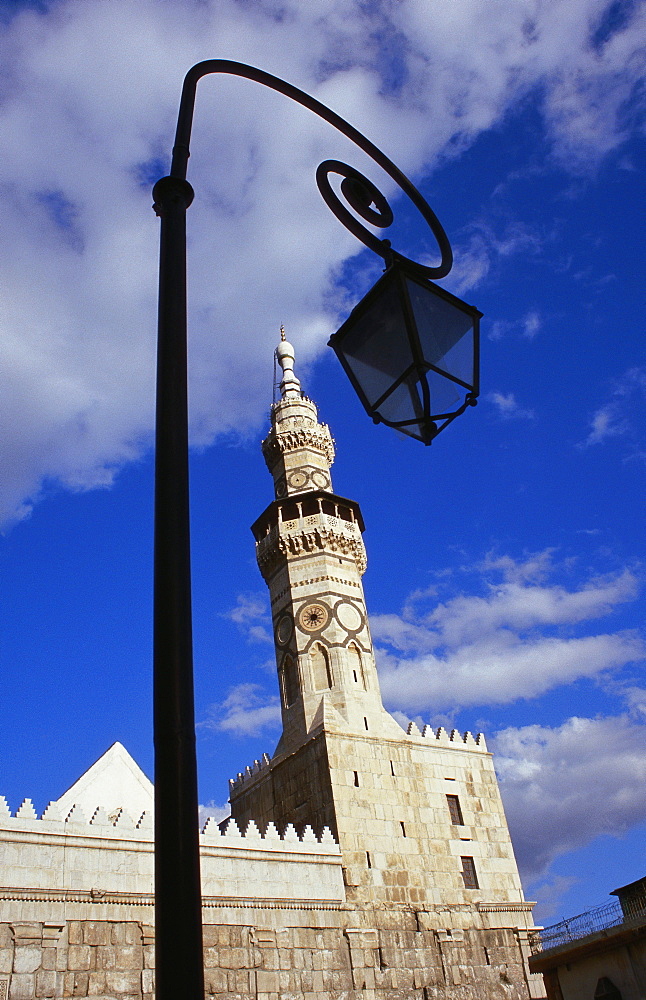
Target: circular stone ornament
321, 480
297, 479
349, 617
284, 629
313, 617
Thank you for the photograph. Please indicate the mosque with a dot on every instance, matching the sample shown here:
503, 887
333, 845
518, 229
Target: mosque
360, 861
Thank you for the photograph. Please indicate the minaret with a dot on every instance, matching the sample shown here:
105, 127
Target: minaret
311, 554
418, 815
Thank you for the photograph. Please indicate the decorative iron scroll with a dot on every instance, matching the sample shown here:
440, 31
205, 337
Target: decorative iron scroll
360, 193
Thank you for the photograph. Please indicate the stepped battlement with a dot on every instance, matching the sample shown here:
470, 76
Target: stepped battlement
119, 823
443, 738
439, 737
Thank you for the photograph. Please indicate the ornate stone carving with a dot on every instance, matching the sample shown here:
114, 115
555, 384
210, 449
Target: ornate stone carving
271, 549
313, 617
318, 438
284, 629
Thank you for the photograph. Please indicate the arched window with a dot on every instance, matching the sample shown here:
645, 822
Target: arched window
356, 666
321, 673
289, 681
606, 990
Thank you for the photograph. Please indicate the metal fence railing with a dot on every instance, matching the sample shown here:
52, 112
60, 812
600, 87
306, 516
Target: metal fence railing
598, 919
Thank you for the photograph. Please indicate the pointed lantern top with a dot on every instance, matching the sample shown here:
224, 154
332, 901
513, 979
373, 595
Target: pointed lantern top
290, 387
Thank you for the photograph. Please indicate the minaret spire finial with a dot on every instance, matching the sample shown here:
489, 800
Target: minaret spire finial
290, 387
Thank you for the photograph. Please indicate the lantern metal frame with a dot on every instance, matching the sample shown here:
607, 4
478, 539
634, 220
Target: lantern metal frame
400, 273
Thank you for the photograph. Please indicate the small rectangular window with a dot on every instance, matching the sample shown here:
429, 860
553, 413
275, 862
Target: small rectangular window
469, 873
356, 779
392, 768
454, 810
401, 823
365, 722
368, 859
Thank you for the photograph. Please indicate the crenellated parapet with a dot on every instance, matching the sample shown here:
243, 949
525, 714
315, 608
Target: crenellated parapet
120, 823
119, 820
442, 737
270, 837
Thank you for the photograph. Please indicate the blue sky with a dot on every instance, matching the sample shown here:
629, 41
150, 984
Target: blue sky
506, 562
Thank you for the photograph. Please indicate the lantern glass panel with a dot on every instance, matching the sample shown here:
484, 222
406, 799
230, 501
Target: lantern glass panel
442, 328
446, 395
376, 346
405, 402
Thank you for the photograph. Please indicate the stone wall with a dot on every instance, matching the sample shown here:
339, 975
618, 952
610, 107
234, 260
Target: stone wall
260, 953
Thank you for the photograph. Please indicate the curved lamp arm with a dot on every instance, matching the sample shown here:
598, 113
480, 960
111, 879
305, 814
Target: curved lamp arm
181, 153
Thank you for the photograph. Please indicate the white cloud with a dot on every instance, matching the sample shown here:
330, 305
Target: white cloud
623, 416
563, 786
549, 891
214, 811
518, 639
248, 710
508, 408
251, 613
527, 327
531, 324
482, 248
87, 107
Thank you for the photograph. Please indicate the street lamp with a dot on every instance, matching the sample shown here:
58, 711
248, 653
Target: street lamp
399, 391
411, 351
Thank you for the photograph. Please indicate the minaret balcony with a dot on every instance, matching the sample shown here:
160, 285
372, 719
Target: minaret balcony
315, 509
311, 522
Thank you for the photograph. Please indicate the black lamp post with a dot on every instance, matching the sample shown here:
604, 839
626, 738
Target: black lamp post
437, 336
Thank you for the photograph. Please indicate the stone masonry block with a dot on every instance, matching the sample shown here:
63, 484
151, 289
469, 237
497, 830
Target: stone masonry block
119, 981
48, 960
96, 984
215, 980
226, 958
284, 959
270, 958
22, 987
96, 932
128, 956
49, 984
106, 957
75, 984
118, 933
148, 981
26, 959
267, 982
75, 932
132, 933
79, 958
211, 958
149, 957
6, 959
210, 935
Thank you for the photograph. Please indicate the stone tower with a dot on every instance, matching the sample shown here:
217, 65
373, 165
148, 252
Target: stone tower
418, 816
